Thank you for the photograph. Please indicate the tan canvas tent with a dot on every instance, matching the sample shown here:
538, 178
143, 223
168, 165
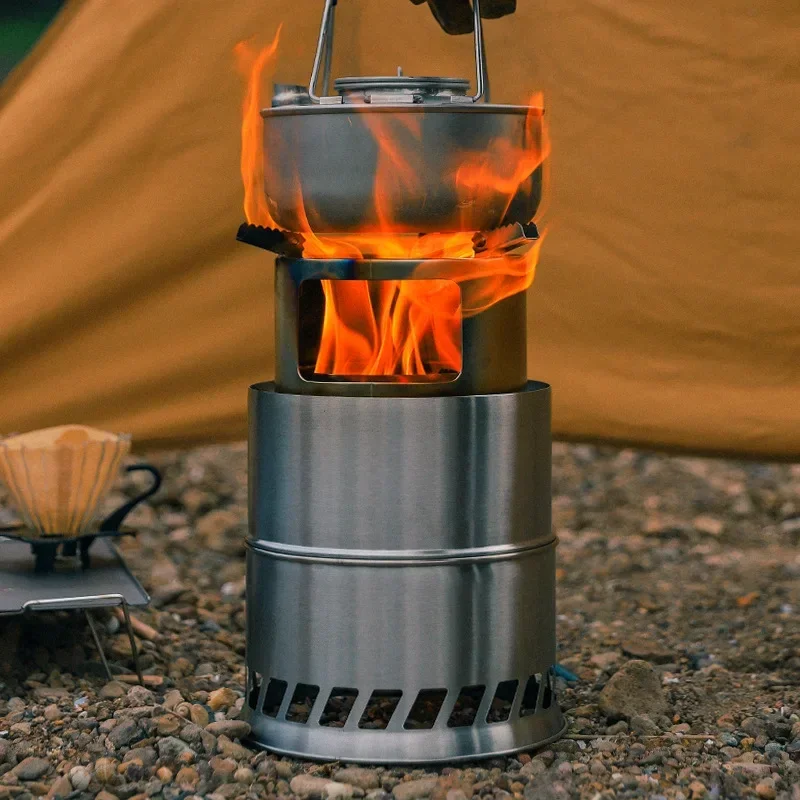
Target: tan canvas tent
666, 308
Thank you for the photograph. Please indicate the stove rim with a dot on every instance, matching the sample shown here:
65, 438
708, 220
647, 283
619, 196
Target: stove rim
456, 759
397, 558
417, 108
270, 388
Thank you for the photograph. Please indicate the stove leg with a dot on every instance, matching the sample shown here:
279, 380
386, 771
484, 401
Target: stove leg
134, 648
98, 644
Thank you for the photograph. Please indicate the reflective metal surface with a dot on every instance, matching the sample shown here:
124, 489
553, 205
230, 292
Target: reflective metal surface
394, 88
321, 155
329, 155
493, 347
425, 474
401, 629
71, 586
400, 545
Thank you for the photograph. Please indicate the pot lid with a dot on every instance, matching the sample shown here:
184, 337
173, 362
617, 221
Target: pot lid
400, 88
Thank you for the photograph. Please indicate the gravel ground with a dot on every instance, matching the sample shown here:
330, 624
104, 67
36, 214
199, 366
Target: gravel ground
678, 613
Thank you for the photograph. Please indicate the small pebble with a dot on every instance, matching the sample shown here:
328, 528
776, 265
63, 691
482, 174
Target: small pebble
113, 690
105, 769
644, 726
414, 790
61, 788
168, 724
233, 728
80, 777
284, 769
187, 776
221, 699
766, 790
233, 749
361, 777
31, 768
244, 775
617, 728
170, 748
124, 733
198, 715
164, 774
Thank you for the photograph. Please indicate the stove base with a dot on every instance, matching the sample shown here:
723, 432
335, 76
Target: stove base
450, 746
434, 644
381, 630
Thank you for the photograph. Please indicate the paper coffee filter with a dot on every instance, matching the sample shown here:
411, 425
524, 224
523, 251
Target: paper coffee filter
57, 477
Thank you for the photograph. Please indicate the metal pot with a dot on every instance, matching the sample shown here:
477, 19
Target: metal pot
325, 168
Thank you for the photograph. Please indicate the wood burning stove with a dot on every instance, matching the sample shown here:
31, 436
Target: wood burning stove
400, 568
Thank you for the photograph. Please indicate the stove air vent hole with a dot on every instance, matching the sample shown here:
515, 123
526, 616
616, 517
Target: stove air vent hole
466, 707
276, 690
530, 696
338, 708
425, 710
253, 688
380, 708
303, 699
500, 708
549, 694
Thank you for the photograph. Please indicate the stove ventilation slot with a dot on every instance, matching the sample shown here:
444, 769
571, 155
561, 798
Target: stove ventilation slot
502, 702
466, 707
302, 703
472, 704
380, 709
276, 691
425, 710
337, 709
253, 688
530, 697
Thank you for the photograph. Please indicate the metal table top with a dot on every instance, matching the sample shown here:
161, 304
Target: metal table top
108, 582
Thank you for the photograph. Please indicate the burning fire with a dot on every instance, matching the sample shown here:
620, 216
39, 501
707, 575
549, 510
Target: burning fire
252, 64
385, 328
400, 327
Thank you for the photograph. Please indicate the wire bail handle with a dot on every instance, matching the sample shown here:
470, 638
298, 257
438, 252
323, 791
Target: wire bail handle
324, 56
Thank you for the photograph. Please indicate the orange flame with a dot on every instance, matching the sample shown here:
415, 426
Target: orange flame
390, 327
251, 65
504, 168
401, 327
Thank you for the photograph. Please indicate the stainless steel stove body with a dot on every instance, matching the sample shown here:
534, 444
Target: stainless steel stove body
400, 567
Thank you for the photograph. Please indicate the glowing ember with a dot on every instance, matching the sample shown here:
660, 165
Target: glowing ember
410, 327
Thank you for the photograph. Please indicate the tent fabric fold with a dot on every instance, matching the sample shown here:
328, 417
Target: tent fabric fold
665, 307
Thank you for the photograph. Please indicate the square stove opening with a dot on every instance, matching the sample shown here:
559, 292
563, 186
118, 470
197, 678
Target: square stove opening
379, 331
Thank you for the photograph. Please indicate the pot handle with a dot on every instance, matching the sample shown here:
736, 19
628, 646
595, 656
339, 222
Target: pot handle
324, 55
114, 520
